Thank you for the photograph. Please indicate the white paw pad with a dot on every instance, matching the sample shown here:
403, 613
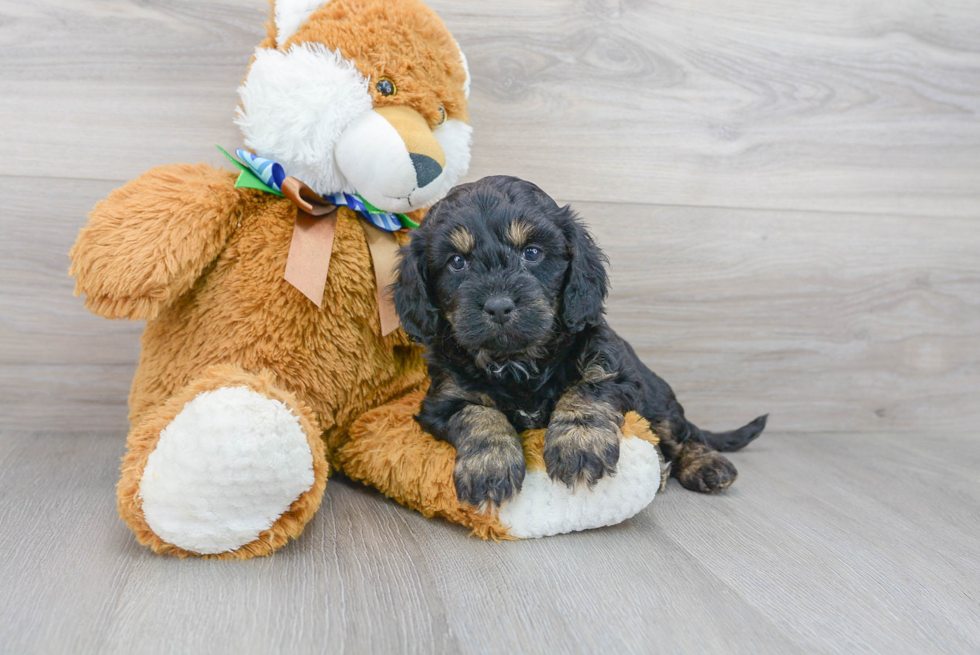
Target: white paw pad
225, 469
545, 507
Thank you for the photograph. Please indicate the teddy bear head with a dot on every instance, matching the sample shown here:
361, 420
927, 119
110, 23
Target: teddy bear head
360, 96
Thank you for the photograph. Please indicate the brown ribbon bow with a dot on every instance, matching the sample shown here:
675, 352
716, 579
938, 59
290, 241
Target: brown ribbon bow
309, 252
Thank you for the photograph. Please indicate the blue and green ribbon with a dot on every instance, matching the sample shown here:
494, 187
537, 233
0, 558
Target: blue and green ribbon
267, 175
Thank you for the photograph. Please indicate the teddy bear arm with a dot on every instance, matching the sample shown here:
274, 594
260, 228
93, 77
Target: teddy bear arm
147, 243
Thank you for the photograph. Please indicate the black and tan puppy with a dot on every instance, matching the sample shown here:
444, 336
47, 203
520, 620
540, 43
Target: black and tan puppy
506, 291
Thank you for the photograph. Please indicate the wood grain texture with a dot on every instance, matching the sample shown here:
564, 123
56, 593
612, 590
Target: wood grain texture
830, 322
826, 544
859, 106
846, 106
788, 194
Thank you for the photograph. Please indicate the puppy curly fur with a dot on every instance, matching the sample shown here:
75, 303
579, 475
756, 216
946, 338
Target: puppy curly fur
506, 290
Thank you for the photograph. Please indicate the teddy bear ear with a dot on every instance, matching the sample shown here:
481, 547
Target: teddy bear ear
291, 14
466, 67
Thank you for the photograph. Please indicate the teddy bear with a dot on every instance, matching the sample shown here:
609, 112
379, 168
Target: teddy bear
272, 354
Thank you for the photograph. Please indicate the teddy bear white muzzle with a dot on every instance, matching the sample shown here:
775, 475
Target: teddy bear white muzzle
393, 159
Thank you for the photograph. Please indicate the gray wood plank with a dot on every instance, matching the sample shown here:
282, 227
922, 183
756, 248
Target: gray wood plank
829, 322
866, 544
41, 322
66, 554
856, 107
827, 543
61, 368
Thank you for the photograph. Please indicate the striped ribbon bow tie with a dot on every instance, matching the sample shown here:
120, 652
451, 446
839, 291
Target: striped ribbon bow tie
267, 175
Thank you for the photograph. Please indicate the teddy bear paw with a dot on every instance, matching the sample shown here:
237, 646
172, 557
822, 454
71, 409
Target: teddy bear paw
224, 470
547, 507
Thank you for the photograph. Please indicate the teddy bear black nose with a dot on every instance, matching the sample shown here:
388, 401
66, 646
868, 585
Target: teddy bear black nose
499, 308
426, 169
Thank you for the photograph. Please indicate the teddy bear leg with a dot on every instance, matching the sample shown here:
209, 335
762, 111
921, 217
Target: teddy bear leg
548, 507
231, 466
389, 451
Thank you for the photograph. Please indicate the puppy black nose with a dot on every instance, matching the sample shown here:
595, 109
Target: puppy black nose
499, 308
426, 169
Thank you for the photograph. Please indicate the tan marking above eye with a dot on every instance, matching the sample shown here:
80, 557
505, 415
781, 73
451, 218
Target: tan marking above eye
519, 232
462, 240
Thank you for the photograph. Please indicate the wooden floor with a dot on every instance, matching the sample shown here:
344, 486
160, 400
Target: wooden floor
790, 196
827, 543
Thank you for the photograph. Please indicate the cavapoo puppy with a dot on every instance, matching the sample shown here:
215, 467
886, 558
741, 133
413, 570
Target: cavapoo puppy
506, 291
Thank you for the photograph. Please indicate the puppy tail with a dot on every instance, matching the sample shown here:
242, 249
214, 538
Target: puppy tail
734, 439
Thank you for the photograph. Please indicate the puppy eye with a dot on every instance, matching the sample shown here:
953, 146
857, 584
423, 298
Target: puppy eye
532, 254
457, 263
442, 116
386, 87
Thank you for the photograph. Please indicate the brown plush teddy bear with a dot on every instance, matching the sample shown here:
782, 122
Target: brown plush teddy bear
269, 327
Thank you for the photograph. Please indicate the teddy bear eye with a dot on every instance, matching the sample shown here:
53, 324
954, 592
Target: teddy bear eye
386, 87
442, 116
457, 263
532, 254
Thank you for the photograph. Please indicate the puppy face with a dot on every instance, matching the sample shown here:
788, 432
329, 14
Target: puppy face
497, 271
502, 269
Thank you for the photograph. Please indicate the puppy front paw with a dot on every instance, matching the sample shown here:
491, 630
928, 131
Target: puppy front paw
581, 451
489, 470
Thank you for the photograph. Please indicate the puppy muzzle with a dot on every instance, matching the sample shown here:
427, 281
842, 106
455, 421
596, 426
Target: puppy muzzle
501, 316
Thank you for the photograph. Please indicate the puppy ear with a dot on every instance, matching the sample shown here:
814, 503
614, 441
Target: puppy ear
418, 315
586, 285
